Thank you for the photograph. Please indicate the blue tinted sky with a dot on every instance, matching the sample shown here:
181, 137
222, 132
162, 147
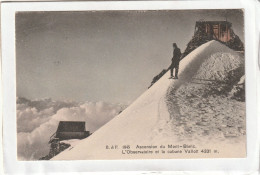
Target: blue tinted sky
101, 56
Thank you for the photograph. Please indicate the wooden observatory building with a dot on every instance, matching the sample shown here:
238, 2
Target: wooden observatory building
70, 130
219, 30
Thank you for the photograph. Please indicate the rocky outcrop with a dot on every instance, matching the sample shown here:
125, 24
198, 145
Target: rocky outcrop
157, 77
238, 90
55, 149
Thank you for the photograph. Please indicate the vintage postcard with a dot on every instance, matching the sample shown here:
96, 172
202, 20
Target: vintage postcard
130, 84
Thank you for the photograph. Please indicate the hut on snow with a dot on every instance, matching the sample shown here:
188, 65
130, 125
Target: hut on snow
219, 30
70, 130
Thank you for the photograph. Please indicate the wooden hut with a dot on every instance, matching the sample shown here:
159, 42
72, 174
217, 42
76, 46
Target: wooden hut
219, 30
70, 130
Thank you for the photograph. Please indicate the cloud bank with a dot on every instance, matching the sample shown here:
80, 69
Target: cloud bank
37, 120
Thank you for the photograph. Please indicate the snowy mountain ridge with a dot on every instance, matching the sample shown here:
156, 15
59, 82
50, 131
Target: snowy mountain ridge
148, 120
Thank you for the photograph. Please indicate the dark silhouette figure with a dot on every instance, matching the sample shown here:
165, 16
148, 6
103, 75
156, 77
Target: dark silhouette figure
175, 60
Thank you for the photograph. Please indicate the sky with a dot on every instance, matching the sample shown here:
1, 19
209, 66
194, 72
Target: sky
109, 56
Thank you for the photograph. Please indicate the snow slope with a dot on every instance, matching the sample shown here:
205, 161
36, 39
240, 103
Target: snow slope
211, 106
147, 121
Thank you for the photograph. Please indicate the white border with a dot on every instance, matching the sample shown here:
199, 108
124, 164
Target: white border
12, 166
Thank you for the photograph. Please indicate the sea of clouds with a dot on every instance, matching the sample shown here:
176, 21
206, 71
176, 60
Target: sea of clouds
37, 120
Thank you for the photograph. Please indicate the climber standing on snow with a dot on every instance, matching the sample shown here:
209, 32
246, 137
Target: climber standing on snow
175, 60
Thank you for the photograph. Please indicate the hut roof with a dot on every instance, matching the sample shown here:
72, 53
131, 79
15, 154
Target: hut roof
213, 22
71, 126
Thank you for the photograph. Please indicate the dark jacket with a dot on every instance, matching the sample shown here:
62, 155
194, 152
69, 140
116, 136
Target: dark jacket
176, 57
